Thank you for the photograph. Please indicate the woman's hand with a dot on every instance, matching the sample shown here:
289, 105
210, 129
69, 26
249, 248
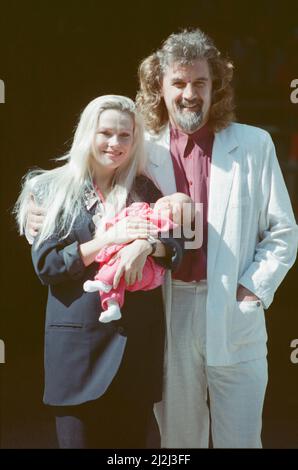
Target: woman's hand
124, 231
35, 218
132, 260
244, 294
129, 229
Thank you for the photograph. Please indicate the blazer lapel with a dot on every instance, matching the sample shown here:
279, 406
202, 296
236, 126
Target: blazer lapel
221, 178
160, 164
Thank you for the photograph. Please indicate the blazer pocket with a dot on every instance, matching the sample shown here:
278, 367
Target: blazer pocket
248, 323
247, 306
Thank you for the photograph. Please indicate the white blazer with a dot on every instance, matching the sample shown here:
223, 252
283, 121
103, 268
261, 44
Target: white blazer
252, 236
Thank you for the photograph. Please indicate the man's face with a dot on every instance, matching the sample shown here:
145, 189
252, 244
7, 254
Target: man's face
186, 90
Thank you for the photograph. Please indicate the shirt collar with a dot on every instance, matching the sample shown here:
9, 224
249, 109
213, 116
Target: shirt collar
92, 203
199, 137
90, 197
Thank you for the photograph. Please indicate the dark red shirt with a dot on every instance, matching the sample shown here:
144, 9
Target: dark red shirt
191, 156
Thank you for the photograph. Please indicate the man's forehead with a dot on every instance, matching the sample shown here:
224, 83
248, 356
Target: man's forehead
197, 67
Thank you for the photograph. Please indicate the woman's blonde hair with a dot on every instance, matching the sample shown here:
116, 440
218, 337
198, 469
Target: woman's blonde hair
61, 190
184, 48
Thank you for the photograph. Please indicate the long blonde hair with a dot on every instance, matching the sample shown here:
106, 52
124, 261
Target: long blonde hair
61, 190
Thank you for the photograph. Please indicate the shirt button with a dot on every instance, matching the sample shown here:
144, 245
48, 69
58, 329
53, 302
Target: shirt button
259, 304
190, 183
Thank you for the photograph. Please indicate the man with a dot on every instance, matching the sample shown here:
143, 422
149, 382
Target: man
216, 334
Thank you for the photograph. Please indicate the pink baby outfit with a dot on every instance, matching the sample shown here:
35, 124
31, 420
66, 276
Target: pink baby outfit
153, 274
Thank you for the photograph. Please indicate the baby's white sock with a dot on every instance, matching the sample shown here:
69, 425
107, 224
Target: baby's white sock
93, 286
112, 313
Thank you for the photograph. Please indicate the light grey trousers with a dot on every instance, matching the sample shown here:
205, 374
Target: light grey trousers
236, 392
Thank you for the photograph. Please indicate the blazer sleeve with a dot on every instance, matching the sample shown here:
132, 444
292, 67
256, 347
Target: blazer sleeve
57, 261
174, 252
277, 249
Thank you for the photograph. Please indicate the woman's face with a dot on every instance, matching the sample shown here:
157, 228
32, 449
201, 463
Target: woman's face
113, 139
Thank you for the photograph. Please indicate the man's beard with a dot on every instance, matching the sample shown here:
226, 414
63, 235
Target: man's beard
188, 121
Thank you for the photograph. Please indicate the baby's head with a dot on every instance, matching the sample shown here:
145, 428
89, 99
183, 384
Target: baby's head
163, 209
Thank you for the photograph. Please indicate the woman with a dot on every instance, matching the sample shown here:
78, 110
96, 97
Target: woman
101, 379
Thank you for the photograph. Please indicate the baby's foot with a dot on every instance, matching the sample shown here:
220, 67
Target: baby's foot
94, 286
112, 313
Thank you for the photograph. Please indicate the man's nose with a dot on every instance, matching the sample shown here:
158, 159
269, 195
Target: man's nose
189, 92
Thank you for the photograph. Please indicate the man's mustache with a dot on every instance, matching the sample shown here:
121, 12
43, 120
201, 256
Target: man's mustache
187, 104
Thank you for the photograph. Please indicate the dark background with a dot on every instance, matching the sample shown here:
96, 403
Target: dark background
54, 58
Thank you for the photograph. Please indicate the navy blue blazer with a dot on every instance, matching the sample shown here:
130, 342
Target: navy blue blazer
83, 357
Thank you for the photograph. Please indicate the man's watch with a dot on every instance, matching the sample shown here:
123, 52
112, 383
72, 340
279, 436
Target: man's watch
153, 243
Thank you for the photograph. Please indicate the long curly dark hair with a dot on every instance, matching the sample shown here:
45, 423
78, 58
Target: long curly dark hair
185, 47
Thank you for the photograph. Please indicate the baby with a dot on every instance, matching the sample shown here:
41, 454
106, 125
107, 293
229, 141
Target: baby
167, 214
